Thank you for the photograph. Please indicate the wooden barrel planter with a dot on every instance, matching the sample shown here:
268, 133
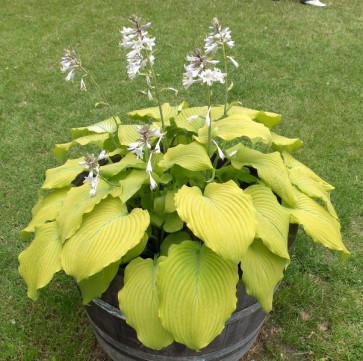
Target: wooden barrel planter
120, 342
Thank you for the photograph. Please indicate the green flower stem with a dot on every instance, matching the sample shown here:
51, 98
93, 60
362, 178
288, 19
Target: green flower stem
226, 80
93, 80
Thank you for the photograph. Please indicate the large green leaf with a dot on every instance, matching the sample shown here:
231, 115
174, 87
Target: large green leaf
105, 236
62, 176
136, 251
272, 220
262, 270
191, 156
270, 167
197, 293
236, 126
139, 301
95, 285
41, 259
317, 222
60, 150
46, 209
105, 126
79, 202
224, 217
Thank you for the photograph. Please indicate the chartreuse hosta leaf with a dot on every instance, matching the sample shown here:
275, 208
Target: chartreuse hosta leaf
128, 161
60, 150
173, 239
262, 270
235, 126
105, 126
281, 143
47, 209
132, 183
169, 112
183, 120
317, 222
293, 163
270, 167
139, 301
95, 285
223, 217
63, 175
41, 259
267, 118
272, 220
311, 187
78, 202
197, 293
105, 236
191, 156
127, 134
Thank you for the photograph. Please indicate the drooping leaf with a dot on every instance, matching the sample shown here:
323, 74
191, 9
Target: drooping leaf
270, 167
197, 293
311, 187
79, 202
191, 156
272, 220
139, 301
63, 175
60, 150
224, 217
293, 163
317, 223
46, 209
262, 270
184, 121
105, 126
97, 284
267, 118
105, 236
41, 260
281, 143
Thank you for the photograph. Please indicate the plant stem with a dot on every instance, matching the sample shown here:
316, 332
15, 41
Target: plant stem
226, 80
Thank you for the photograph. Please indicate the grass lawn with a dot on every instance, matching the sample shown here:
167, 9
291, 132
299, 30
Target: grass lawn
300, 61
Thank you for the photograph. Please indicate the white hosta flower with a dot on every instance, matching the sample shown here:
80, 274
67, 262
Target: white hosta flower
200, 70
208, 119
210, 76
153, 183
233, 61
217, 37
140, 44
146, 135
83, 85
192, 117
91, 163
69, 64
219, 150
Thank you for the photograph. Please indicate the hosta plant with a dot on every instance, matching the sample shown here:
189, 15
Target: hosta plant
189, 201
